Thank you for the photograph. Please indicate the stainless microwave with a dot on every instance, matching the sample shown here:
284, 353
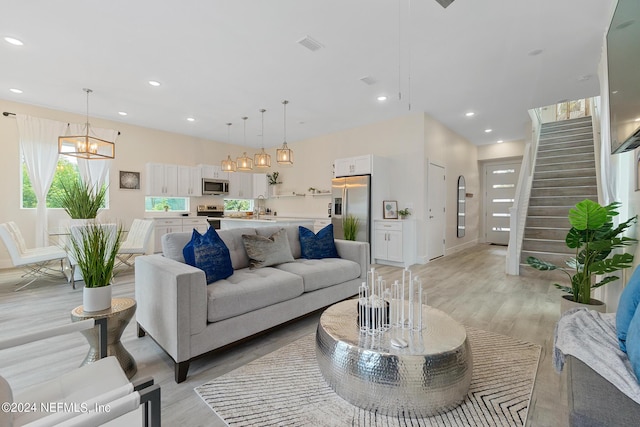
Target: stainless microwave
214, 186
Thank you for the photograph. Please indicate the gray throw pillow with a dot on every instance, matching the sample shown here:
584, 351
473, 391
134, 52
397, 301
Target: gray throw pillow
264, 251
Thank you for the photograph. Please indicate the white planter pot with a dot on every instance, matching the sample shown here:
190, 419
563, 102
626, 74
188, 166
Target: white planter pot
567, 303
96, 299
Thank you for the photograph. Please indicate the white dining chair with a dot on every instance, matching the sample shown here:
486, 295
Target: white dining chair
35, 260
136, 241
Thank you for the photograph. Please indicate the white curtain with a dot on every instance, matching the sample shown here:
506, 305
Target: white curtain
94, 172
39, 145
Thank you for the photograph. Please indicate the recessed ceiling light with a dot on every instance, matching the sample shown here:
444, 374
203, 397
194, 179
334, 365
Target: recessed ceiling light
614, 92
382, 98
15, 90
154, 83
499, 141
535, 52
122, 113
13, 41
191, 119
470, 114
488, 130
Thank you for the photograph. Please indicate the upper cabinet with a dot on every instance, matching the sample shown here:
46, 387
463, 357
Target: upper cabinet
240, 185
189, 181
213, 172
162, 180
359, 165
173, 180
260, 186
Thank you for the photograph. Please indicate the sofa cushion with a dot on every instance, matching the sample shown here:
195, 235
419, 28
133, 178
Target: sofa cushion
633, 343
6, 396
317, 246
173, 244
266, 251
627, 307
322, 273
248, 290
233, 239
292, 236
210, 254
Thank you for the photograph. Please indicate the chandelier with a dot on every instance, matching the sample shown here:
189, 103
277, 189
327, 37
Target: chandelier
284, 155
245, 163
228, 165
85, 146
262, 159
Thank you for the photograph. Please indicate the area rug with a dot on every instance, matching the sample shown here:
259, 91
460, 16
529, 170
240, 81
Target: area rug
286, 388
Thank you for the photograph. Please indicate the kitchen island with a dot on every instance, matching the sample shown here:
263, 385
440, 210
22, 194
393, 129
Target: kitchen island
264, 221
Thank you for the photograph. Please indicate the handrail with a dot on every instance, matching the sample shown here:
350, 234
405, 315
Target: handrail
518, 212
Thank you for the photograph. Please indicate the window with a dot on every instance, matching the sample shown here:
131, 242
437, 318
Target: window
66, 172
155, 204
238, 205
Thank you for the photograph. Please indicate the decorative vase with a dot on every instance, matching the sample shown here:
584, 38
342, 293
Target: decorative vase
96, 299
567, 303
274, 189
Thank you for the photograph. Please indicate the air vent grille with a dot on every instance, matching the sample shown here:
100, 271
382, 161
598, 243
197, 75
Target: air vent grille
444, 3
311, 44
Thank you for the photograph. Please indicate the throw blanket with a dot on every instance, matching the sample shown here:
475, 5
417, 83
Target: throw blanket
591, 337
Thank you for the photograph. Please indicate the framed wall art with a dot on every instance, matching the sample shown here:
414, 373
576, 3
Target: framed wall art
390, 209
129, 180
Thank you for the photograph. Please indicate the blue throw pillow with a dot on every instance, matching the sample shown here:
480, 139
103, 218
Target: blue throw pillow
633, 343
208, 253
627, 305
317, 246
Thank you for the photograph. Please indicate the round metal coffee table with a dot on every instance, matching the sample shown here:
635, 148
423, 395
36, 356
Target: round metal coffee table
430, 376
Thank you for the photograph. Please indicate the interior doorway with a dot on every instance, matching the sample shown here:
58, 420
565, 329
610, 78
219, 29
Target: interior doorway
436, 191
500, 180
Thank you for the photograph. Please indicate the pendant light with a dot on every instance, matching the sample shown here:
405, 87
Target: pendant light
284, 155
245, 163
262, 159
228, 165
85, 146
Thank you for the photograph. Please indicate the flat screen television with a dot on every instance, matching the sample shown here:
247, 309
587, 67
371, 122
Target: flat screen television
623, 52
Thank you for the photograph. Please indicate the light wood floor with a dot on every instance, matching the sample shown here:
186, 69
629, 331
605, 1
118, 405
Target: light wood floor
471, 286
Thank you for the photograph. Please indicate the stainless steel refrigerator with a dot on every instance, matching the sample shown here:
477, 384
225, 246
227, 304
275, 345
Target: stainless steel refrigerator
351, 195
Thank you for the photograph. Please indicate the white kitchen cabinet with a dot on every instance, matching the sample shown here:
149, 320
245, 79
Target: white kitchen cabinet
162, 180
394, 242
162, 226
359, 165
213, 172
189, 181
260, 186
240, 185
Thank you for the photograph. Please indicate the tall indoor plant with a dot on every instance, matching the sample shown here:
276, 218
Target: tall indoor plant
593, 237
94, 247
81, 200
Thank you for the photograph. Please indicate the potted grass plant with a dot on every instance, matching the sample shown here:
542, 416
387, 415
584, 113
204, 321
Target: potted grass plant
81, 200
593, 237
94, 248
350, 225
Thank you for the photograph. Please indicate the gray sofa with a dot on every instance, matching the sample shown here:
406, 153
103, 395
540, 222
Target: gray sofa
189, 318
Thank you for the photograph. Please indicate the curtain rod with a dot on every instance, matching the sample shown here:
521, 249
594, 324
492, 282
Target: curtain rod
7, 114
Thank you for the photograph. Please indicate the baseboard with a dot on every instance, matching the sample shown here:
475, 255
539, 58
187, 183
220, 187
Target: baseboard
460, 247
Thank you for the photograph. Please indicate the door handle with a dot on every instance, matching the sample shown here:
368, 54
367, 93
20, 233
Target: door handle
430, 216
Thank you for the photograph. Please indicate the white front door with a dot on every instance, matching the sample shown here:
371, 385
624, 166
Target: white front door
436, 223
500, 182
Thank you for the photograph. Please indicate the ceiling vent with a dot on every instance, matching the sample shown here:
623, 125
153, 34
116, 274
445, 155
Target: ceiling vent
311, 44
368, 80
444, 3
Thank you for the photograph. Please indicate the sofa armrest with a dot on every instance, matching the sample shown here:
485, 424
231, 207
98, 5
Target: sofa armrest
355, 251
172, 302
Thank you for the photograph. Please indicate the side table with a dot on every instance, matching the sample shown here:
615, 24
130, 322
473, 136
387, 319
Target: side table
118, 317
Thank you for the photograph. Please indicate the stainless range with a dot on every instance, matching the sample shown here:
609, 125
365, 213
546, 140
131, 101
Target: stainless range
213, 214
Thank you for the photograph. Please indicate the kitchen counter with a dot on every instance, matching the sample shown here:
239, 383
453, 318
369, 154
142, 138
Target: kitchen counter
262, 221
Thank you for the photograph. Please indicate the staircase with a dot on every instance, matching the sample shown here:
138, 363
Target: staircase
564, 174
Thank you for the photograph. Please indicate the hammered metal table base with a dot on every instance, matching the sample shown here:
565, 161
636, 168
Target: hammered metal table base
430, 376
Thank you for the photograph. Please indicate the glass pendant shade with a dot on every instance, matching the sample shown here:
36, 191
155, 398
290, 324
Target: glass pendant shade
228, 165
284, 155
244, 163
85, 146
262, 159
